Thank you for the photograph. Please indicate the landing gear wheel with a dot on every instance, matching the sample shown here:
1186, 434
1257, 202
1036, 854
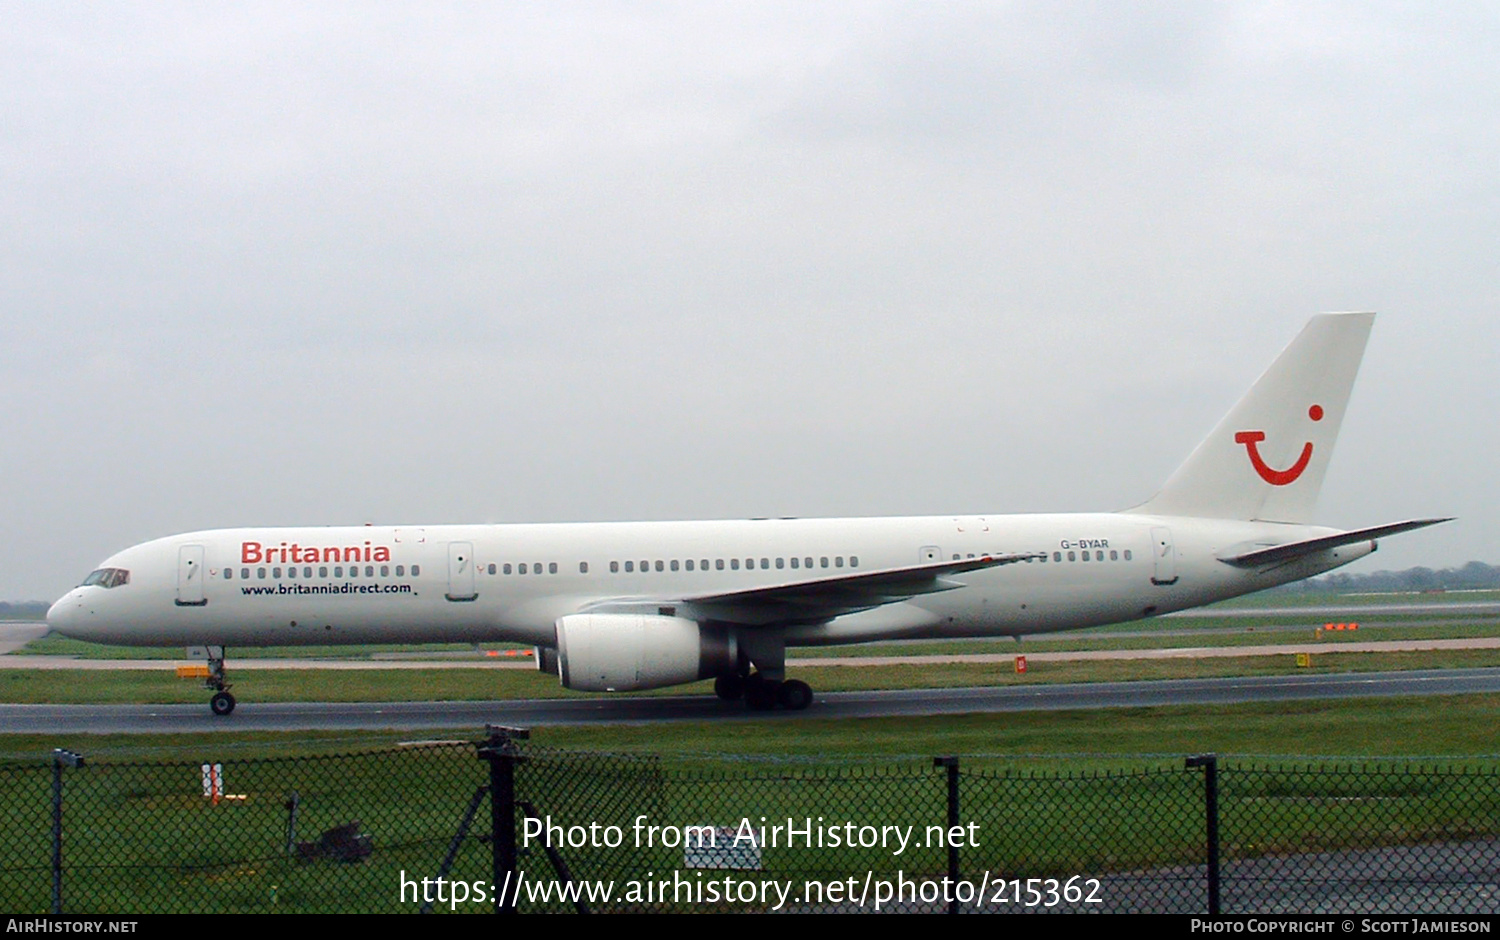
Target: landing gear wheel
760, 694
730, 688
794, 695
222, 703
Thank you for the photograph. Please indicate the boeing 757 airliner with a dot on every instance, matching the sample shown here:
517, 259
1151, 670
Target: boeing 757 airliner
615, 607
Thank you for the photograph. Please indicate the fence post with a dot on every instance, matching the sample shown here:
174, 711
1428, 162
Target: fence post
1210, 765
501, 751
60, 759
952, 764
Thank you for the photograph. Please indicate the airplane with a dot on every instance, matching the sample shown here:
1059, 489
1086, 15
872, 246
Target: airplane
625, 606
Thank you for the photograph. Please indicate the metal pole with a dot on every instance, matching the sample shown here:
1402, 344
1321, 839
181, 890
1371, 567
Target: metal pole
1210, 765
952, 764
60, 759
500, 750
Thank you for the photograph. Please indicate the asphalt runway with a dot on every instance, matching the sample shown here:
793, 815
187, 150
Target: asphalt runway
470, 717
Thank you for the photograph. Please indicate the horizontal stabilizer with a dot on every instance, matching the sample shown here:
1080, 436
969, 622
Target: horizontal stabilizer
1281, 553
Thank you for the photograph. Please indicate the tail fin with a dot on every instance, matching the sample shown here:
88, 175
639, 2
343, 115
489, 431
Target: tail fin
1266, 459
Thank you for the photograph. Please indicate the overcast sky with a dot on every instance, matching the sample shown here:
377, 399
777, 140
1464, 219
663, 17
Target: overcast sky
271, 264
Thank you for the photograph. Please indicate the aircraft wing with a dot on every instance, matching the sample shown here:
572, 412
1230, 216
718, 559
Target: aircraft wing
815, 600
1276, 554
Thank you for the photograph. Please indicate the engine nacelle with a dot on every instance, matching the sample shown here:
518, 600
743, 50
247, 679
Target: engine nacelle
626, 652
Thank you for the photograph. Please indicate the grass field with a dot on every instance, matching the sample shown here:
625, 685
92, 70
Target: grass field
1048, 794
332, 685
1097, 790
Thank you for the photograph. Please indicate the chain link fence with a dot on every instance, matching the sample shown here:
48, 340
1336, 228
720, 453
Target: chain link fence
424, 828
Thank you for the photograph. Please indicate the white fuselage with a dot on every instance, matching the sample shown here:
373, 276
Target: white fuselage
465, 583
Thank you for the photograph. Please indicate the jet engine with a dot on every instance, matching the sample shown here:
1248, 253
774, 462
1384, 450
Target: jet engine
626, 652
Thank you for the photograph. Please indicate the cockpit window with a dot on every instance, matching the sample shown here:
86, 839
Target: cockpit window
107, 577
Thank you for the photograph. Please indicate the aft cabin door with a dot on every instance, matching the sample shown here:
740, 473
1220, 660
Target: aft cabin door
190, 576
461, 571
1164, 557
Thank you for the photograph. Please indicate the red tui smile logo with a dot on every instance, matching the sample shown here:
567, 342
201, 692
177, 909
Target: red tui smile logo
1268, 473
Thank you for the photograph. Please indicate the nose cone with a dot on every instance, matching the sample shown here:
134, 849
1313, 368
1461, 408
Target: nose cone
68, 614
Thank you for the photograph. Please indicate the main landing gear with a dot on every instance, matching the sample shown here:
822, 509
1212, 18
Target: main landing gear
222, 703
763, 693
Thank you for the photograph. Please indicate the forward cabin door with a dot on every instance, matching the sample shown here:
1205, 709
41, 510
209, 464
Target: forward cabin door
461, 572
1163, 557
190, 576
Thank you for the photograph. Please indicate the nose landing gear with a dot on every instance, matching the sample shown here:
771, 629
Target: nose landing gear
222, 702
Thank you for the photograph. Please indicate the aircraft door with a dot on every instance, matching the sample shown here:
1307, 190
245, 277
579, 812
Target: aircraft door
461, 572
929, 553
190, 576
1163, 557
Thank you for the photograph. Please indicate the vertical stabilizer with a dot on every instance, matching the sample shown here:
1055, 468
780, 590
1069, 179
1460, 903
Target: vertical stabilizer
1267, 458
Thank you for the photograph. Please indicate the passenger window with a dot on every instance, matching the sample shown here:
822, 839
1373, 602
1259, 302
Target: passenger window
795, 561
838, 561
807, 562
703, 565
276, 572
338, 571
719, 564
734, 564
765, 563
1114, 555
323, 570
521, 567
614, 567
1072, 556
307, 571
689, 564
492, 569
1085, 556
1098, 556
1057, 556
854, 561
825, 561
369, 571
291, 572
1127, 554
416, 570
781, 562
228, 574
674, 564
245, 574
630, 567
260, 573
385, 571
583, 567
552, 567
659, 565
401, 570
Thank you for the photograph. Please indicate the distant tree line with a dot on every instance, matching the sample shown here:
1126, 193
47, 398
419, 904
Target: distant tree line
1476, 575
25, 610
